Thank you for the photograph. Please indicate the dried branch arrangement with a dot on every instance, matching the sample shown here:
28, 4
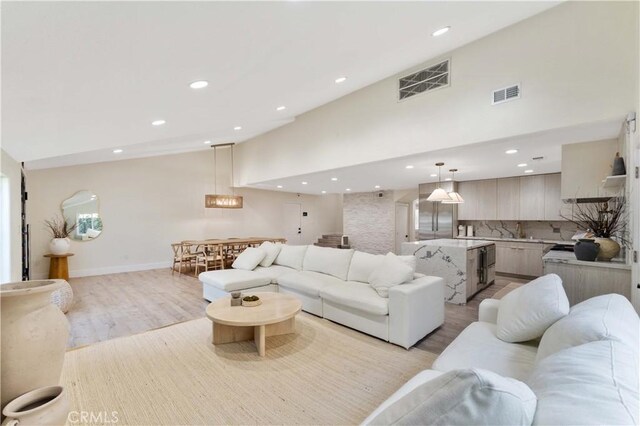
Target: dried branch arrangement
603, 219
59, 228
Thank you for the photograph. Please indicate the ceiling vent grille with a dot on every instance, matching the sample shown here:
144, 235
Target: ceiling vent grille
506, 94
431, 78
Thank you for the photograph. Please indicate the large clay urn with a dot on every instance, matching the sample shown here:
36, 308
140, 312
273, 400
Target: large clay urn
608, 249
34, 337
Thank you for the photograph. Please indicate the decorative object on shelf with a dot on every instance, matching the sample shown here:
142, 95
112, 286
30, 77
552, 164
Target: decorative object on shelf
603, 220
439, 194
60, 231
235, 298
250, 301
33, 359
222, 201
455, 198
43, 406
63, 297
618, 166
586, 249
82, 210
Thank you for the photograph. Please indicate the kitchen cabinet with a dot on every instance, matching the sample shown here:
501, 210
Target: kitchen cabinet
520, 258
479, 200
508, 199
532, 197
553, 204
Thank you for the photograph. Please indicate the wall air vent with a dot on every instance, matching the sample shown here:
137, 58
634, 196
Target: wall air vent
431, 78
506, 94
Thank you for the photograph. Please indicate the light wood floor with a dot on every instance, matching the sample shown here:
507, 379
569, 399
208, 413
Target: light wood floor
116, 305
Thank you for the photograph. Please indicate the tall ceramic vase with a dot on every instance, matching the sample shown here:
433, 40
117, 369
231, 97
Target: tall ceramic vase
34, 337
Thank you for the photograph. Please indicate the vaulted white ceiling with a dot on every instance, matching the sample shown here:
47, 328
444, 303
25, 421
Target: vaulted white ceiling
80, 79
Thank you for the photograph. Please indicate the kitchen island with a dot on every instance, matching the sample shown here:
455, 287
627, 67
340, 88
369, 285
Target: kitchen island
467, 266
582, 280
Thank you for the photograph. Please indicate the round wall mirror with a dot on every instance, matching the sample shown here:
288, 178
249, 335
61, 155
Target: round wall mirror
82, 209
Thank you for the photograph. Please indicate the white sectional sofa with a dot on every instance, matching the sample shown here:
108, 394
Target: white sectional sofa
333, 283
583, 370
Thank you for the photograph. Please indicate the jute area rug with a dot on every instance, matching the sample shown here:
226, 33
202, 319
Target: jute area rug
324, 374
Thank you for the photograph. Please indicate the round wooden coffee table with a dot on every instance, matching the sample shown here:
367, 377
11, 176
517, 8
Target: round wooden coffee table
274, 317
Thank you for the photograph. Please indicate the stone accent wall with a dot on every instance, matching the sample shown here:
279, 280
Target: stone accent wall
369, 221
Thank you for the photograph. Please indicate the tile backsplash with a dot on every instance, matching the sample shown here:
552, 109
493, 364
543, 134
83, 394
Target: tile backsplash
546, 230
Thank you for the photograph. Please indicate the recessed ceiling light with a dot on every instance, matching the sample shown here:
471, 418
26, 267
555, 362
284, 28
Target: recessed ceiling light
237, 128
528, 171
281, 108
158, 122
522, 165
341, 80
279, 186
334, 179
448, 179
200, 84
324, 192
440, 31
377, 187
409, 167
207, 142
304, 183
348, 189
433, 175
511, 151
117, 151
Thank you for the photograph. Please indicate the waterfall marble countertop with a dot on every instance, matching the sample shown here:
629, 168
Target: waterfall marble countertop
570, 258
518, 240
446, 242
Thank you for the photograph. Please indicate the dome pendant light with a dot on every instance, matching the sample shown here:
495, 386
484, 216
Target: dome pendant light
455, 198
439, 194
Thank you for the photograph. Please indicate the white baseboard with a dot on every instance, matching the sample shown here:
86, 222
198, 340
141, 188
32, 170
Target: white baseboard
77, 273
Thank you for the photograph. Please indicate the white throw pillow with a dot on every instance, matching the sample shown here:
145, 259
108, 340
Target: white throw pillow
362, 265
271, 252
463, 397
606, 317
526, 312
410, 260
389, 273
291, 256
249, 259
328, 260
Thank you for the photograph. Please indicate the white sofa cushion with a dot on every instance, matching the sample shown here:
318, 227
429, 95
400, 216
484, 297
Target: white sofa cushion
362, 265
307, 282
271, 252
461, 397
526, 312
607, 317
249, 259
478, 347
233, 279
327, 260
274, 272
595, 383
410, 260
291, 256
390, 272
356, 295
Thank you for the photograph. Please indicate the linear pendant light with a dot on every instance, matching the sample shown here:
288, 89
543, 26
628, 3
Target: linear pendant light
455, 198
222, 201
438, 194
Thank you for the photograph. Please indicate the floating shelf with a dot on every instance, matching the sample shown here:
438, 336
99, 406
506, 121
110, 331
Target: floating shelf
614, 181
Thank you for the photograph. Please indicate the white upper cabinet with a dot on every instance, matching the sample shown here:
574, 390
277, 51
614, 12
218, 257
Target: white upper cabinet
508, 199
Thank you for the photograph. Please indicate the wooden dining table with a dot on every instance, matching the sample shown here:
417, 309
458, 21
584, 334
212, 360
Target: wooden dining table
229, 247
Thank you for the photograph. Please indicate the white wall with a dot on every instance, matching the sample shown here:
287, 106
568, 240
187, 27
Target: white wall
577, 63
147, 204
11, 169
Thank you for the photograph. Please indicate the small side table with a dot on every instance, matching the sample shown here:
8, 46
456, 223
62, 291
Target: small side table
59, 266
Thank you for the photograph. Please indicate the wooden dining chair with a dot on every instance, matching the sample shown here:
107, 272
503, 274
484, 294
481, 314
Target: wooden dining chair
182, 256
211, 258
